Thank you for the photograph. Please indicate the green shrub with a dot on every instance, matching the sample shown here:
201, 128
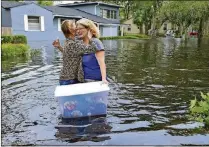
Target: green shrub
199, 110
6, 39
35, 52
14, 39
161, 35
13, 50
19, 39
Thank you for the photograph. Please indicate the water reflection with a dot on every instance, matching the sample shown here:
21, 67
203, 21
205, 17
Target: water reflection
83, 129
152, 83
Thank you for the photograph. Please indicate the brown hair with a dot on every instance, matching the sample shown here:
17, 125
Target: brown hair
66, 26
90, 25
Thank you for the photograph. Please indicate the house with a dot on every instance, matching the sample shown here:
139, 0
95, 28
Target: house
27, 19
166, 26
132, 28
43, 22
107, 11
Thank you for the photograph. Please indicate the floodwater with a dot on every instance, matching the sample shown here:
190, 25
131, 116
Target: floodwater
152, 83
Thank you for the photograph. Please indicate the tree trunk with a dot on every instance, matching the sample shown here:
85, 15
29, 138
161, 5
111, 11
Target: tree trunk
146, 29
141, 29
181, 30
200, 29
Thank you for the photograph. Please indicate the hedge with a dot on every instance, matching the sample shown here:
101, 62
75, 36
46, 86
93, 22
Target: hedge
14, 50
14, 39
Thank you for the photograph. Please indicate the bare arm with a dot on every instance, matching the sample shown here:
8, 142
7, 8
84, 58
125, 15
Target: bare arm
60, 48
82, 48
100, 55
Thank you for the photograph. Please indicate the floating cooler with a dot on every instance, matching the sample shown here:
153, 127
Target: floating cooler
82, 100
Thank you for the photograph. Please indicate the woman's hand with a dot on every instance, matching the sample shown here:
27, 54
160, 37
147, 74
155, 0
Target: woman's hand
105, 81
56, 43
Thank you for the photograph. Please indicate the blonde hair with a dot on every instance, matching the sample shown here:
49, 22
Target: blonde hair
66, 26
89, 24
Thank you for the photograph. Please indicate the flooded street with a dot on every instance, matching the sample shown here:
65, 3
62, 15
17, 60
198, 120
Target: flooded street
152, 83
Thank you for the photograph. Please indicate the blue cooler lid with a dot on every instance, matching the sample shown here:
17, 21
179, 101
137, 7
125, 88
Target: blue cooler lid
81, 88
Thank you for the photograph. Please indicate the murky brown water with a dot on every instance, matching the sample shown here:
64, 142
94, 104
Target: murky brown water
152, 84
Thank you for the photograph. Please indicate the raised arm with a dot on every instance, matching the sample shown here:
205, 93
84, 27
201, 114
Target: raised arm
81, 48
56, 44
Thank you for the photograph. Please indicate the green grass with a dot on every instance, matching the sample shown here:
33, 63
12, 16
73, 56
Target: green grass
127, 36
14, 50
137, 35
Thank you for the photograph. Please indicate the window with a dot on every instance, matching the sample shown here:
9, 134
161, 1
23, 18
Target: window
101, 12
104, 13
129, 28
34, 23
165, 26
112, 15
60, 20
108, 14
115, 15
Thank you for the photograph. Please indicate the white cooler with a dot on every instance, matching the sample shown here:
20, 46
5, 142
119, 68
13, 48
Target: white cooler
83, 99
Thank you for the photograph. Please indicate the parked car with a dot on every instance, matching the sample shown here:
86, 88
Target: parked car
193, 33
170, 33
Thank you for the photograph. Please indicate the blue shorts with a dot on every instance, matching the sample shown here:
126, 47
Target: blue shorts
68, 82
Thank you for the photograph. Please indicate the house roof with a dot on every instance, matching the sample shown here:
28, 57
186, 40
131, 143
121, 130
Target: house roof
88, 3
6, 18
11, 4
74, 12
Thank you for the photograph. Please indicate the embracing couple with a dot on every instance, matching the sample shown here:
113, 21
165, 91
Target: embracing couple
83, 53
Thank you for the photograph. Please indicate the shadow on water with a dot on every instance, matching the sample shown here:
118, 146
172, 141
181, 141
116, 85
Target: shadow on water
152, 84
84, 129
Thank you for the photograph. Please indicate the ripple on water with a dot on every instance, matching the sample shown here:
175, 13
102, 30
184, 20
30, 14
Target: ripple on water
152, 82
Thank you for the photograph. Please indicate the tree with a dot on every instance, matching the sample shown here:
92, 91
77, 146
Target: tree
185, 14
45, 3
144, 14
